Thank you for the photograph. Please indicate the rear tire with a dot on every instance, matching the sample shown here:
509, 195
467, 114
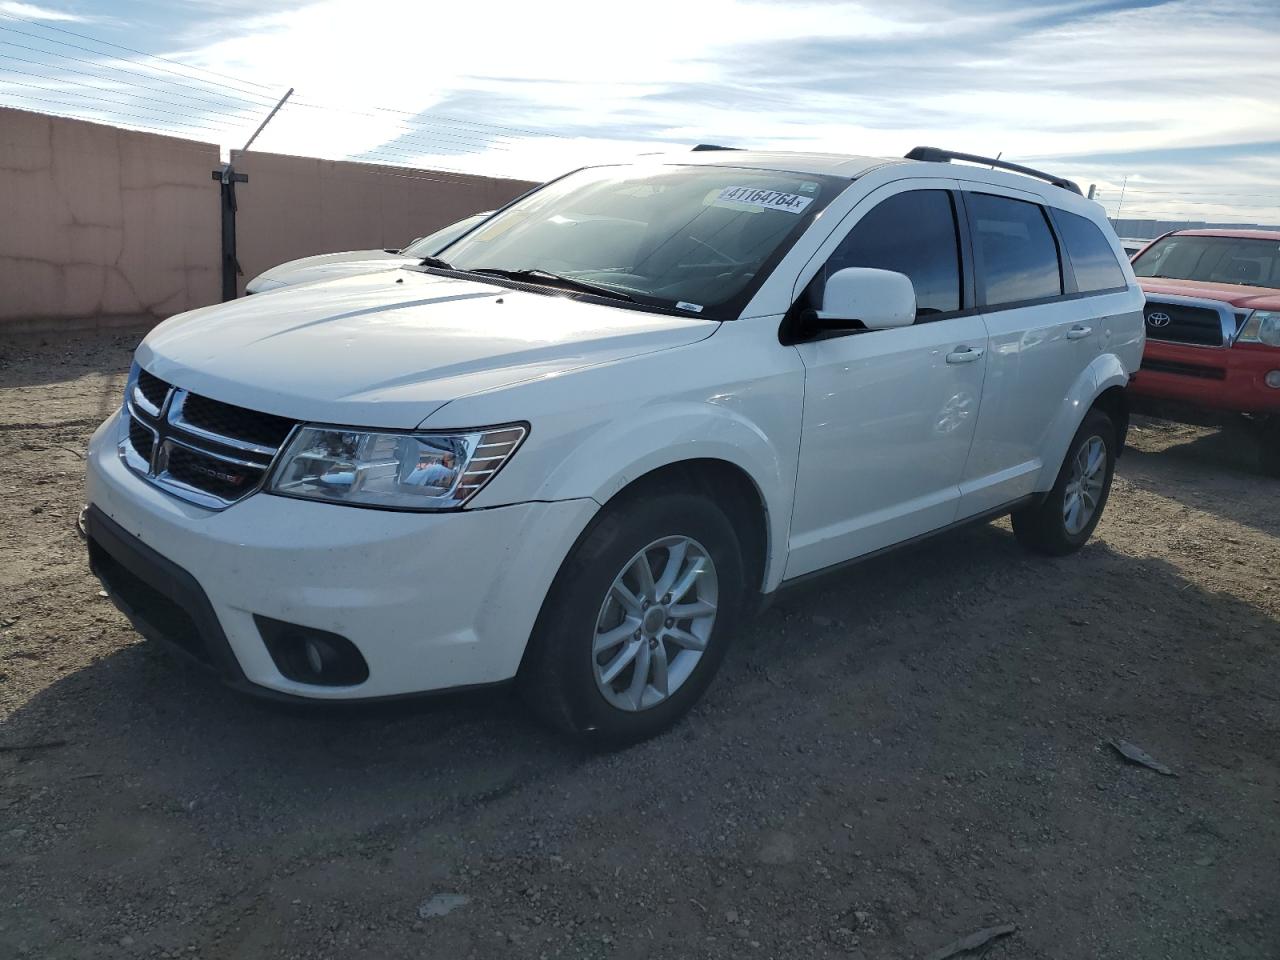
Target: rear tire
1065, 519
576, 673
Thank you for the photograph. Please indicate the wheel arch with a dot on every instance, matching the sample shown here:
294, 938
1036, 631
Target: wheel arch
1100, 385
1114, 402
730, 486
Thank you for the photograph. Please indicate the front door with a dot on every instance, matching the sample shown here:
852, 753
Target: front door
889, 414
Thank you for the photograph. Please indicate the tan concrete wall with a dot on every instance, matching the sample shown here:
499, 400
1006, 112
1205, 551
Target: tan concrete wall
100, 224
298, 206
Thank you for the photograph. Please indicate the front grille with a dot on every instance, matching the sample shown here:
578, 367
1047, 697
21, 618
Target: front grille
1181, 323
202, 450
152, 388
1184, 369
142, 438
226, 420
212, 474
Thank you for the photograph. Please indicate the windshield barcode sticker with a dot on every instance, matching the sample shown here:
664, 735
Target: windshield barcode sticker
766, 199
695, 307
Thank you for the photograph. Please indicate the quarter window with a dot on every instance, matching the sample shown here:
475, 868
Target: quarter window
912, 233
1016, 250
1092, 259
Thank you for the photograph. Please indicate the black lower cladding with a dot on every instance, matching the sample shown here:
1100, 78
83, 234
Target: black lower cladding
161, 600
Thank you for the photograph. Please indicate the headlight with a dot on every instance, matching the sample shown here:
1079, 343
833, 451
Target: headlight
403, 471
1263, 326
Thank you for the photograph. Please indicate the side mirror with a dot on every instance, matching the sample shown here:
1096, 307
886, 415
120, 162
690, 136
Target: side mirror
879, 299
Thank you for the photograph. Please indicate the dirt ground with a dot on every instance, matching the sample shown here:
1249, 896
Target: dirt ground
901, 755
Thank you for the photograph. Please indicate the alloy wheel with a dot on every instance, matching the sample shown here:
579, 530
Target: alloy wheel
1083, 491
655, 623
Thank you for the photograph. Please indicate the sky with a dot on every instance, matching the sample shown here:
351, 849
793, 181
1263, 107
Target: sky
1171, 107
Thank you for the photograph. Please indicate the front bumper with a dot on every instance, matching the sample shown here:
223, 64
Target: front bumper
1228, 379
432, 601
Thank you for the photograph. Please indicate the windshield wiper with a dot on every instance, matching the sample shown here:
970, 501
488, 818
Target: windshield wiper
546, 277
436, 262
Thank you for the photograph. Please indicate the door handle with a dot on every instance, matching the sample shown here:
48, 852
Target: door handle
965, 355
1079, 332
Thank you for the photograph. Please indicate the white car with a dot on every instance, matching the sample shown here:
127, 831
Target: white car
331, 266
631, 406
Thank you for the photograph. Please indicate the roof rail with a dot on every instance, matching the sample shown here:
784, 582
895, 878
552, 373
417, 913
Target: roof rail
936, 155
711, 146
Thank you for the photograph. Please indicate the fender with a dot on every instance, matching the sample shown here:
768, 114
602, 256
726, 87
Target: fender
1104, 372
669, 433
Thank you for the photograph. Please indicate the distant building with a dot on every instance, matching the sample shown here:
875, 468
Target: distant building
1154, 228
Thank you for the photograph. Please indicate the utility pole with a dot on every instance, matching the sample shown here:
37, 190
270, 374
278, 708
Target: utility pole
228, 178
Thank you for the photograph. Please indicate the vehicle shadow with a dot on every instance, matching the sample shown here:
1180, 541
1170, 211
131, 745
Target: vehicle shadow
1226, 444
1215, 470
958, 654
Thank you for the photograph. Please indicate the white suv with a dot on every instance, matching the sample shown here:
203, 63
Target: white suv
638, 400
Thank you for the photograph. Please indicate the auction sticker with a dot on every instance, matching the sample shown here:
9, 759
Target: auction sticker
765, 199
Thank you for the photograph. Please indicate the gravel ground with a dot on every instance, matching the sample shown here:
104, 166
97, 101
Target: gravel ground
898, 756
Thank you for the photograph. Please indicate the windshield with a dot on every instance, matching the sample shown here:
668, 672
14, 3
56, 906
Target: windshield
433, 243
692, 238
1238, 260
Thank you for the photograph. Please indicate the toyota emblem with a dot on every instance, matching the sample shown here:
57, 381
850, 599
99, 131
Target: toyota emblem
1158, 319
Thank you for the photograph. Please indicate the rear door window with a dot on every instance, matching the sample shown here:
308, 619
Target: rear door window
1092, 259
1016, 251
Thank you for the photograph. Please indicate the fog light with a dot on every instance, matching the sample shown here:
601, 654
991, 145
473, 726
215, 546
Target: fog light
314, 659
308, 655
1272, 379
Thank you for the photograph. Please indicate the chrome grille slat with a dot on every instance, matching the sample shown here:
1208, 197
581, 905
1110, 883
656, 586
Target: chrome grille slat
178, 420
212, 468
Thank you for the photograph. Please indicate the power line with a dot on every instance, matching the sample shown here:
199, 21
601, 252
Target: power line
444, 117
84, 96
429, 140
74, 91
129, 118
267, 101
129, 73
453, 134
238, 93
141, 53
487, 141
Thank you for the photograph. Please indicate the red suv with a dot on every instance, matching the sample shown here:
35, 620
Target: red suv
1213, 325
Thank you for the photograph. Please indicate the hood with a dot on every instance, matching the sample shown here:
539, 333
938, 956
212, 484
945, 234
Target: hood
389, 349
326, 266
1245, 298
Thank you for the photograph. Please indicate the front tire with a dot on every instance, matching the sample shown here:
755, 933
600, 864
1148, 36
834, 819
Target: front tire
1065, 519
638, 618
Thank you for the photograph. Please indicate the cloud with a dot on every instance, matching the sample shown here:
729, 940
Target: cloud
30, 11
1156, 90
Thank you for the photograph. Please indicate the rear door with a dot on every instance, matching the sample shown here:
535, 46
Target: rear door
889, 414
1039, 340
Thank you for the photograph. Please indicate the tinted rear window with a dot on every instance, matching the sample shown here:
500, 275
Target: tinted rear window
1017, 251
1095, 266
